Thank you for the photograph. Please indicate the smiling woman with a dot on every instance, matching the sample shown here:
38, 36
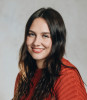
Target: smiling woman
44, 73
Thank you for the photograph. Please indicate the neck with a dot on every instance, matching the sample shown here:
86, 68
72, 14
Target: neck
39, 64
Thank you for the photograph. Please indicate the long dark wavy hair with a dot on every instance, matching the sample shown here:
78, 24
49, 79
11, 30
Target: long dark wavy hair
52, 64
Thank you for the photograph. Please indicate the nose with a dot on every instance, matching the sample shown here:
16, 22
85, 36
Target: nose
37, 41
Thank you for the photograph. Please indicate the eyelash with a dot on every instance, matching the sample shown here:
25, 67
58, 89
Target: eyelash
46, 36
31, 34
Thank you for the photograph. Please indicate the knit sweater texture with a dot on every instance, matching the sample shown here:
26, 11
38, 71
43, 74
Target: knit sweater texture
69, 86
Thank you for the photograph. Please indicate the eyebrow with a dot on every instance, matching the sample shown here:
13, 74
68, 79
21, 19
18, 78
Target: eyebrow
41, 32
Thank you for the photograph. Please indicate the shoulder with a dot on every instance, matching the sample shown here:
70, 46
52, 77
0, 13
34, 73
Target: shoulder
68, 70
69, 82
66, 62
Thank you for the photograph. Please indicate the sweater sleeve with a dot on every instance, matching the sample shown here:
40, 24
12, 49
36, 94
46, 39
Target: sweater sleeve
70, 86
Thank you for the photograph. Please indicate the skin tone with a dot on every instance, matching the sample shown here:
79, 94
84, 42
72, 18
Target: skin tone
39, 41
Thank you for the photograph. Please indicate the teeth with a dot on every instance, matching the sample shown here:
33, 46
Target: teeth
37, 50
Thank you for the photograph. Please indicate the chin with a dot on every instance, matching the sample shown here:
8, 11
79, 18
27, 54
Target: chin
38, 58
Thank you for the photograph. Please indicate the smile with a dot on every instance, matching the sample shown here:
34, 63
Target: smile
37, 50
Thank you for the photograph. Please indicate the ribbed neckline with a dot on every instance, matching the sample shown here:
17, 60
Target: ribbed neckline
38, 70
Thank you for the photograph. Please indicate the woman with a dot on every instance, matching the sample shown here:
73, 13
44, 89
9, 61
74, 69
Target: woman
44, 73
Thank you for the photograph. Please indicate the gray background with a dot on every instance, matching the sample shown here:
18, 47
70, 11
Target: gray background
13, 17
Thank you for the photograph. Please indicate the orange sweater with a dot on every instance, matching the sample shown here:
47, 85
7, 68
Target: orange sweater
69, 86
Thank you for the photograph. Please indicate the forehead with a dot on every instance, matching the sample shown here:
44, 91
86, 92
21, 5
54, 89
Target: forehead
39, 25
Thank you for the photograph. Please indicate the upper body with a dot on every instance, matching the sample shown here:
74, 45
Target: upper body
44, 73
69, 86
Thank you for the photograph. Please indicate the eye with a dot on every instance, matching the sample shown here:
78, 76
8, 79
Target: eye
31, 34
46, 36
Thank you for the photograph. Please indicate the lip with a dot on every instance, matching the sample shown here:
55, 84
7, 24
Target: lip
37, 50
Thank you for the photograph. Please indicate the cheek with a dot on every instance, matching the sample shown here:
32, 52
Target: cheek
29, 41
48, 44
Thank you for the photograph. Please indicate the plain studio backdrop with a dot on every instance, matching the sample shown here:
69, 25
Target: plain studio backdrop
13, 17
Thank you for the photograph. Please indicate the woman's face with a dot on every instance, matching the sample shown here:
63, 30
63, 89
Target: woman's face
39, 41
